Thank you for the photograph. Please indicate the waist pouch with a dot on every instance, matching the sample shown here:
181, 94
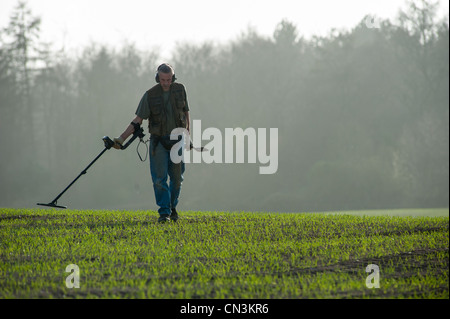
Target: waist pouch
164, 140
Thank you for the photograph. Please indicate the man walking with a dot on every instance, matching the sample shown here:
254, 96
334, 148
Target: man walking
166, 108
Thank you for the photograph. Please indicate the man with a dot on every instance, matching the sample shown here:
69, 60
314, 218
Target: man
166, 108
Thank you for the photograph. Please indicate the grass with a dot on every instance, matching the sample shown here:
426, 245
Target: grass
127, 254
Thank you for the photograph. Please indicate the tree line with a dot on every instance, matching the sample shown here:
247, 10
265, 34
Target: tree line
362, 116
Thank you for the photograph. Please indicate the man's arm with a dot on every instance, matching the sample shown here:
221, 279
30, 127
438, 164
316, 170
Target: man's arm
188, 121
118, 141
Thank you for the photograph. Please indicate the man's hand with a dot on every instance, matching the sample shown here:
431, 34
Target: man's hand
118, 142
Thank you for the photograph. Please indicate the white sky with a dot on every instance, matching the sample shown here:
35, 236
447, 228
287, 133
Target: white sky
74, 24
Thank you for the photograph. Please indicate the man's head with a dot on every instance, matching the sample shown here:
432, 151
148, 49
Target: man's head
165, 76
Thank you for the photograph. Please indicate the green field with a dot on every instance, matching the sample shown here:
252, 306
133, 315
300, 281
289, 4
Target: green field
210, 255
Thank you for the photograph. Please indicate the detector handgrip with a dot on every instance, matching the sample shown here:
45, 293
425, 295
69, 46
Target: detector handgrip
138, 132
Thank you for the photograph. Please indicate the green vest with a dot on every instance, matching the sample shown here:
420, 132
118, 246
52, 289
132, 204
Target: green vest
157, 121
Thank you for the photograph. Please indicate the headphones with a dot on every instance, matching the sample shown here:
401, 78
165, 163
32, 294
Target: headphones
165, 68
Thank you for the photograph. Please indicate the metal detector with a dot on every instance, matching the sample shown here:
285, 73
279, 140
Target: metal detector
138, 132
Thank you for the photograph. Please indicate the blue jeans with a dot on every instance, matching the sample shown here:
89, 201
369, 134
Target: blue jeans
162, 167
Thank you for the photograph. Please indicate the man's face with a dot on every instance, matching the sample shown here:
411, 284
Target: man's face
165, 79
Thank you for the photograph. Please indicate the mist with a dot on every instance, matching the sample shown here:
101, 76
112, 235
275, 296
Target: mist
362, 118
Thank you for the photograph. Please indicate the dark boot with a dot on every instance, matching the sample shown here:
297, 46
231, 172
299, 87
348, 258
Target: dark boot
174, 215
